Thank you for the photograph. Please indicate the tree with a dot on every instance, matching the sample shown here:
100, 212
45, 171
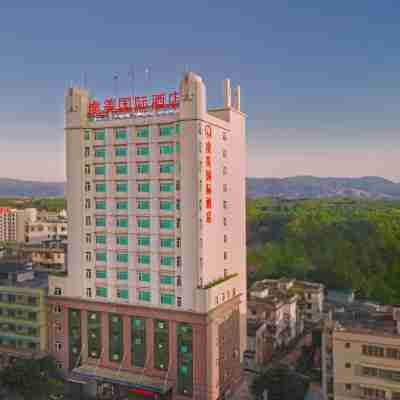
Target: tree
280, 384
32, 379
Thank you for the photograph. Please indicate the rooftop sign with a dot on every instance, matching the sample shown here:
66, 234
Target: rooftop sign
125, 107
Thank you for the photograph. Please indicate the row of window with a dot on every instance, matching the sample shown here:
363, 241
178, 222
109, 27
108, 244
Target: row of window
145, 259
142, 241
18, 314
378, 351
141, 204
141, 150
142, 187
142, 223
165, 167
141, 133
142, 276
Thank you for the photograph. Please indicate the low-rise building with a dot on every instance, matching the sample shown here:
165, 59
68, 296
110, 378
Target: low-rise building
23, 312
361, 355
42, 230
8, 224
49, 255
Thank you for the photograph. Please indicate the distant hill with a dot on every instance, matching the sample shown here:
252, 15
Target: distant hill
296, 187
368, 187
20, 188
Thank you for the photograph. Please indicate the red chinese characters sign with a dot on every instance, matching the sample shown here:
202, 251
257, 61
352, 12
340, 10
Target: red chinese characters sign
208, 172
133, 105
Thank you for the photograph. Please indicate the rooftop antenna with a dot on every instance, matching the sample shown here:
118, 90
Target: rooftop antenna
147, 78
115, 79
132, 80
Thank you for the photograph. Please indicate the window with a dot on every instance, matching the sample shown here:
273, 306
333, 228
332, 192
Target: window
101, 274
87, 151
88, 220
143, 150
167, 260
143, 204
224, 170
225, 187
122, 204
178, 127
122, 275
144, 276
143, 241
166, 205
59, 365
101, 222
166, 223
144, 295
167, 242
57, 308
224, 153
167, 298
225, 255
178, 242
178, 223
138, 341
123, 294
167, 279
144, 259
101, 204
122, 222
348, 387
88, 256
225, 204
58, 326
121, 151
87, 169
179, 301
100, 135
87, 135
100, 152
101, 291
122, 187
122, 169
178, 280
144, 187
143, 168
116, 337
87, 187
143, 223
100, 169
373, 351
166, 131
178, 204
167, 149
122, 240
101, 257
166, 187
58, 346
347, 365
101, 187
143, 133
161, 344
88, 273
178, 185
167, 168
122, 257
101, 239
57, 291
121, 134
225, 221
348, 345
179, 261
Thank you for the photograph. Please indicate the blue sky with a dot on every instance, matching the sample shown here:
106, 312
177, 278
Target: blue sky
320, 79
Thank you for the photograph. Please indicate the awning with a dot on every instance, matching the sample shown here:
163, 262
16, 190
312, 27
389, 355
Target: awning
123, 378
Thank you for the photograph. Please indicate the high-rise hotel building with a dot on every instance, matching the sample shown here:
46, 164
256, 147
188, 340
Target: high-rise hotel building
154, 303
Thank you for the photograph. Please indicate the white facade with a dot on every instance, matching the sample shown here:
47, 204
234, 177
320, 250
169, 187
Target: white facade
8, 225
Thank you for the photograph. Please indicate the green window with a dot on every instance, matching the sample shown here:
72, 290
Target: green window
167, 279
101, 222
101, 257
166, 149
122, 240
144, 187
167, 242
166, 223
144, 295
143, 223
101, 274
166, 131
101, 187
122, 222
123, 294
101, 204
74, 336
144, 259
161, 344
143, 133
122, 275
116, 338
143, 150
122, 257
167, 168
100, 170
138, 341
166, 187
94, 332
121, 151
185, 359
101, 291
87, 135
100, 152
178, 127
122, 187
122, 169
143, 204
144, 276
143, 168
101, 239
167, 261
121, 134
166, 205
167, 298
122, 204
144, 241
100, 135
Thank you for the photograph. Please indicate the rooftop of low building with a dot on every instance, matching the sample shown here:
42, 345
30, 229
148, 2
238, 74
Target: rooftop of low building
21, 275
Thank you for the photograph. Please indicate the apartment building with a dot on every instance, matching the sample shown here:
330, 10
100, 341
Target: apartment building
49, 254
39, 231
8, 224
23, 312
154, 303
361, 356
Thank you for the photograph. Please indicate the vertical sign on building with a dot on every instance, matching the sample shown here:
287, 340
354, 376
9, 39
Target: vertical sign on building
208, 171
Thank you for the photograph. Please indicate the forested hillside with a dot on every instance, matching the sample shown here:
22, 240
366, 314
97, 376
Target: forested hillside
339, 242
